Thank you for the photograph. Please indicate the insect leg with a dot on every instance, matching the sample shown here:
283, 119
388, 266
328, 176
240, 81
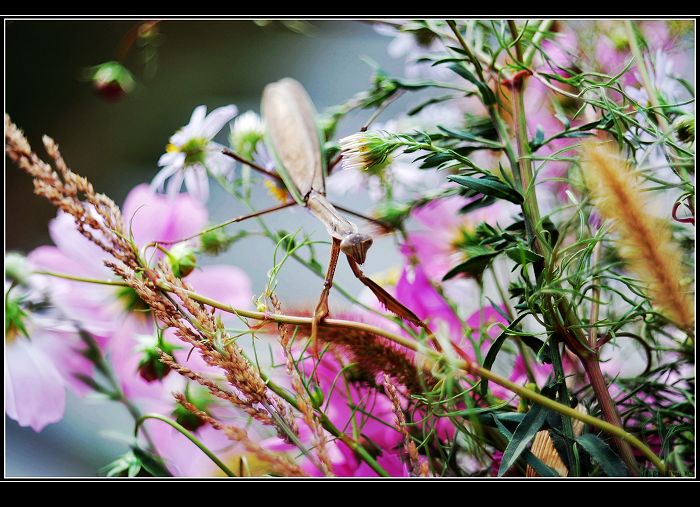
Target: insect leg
321, 311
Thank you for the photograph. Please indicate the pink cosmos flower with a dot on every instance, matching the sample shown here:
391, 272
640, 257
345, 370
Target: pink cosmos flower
100, 308
42, 355
38, 368
227, 284
113, 315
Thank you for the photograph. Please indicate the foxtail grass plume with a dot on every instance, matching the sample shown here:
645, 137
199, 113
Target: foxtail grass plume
644, 241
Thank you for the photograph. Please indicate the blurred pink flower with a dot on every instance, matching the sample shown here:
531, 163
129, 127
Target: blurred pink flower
99, 308
222, 283
42, 356
438, 247
35, 392
182, 457
112, 315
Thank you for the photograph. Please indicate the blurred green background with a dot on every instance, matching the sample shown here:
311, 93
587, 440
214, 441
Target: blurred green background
117, 145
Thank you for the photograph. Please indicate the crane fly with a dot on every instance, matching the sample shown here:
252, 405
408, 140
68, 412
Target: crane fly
294, 141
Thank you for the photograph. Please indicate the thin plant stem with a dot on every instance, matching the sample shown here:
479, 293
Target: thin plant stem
190, 436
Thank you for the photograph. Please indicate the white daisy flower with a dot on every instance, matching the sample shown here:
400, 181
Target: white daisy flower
191, 153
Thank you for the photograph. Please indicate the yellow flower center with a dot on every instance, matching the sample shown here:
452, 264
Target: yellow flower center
276, 191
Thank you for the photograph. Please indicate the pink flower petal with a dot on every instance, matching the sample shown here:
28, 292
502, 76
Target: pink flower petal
34, 391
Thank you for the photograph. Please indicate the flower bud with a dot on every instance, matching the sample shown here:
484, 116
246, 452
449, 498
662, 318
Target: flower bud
214, 242
246, 132
150, 367
181, 259
17, 268
368, 151
111, 80
316, 395
684, 127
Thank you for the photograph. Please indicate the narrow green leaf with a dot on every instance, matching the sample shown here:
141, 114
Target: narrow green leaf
489, 185
611, 463
486, 94
495, 349
522, 255
532, 460
474, 266
526, 430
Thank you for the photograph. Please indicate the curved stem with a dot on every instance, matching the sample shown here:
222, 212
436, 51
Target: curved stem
189, 435
432, 357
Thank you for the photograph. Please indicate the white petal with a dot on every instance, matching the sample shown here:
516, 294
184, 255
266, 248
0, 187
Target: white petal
197, 183
197, 119
172, 158
159, 180
34, 390
216, 120
220, 165
175, 183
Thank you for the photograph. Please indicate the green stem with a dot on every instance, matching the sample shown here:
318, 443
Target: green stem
496, 119
532, 221
542, 30
190, 436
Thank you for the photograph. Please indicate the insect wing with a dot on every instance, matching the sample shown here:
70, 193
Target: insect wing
292, 137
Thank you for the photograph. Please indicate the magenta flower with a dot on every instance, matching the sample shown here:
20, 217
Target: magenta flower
415, 290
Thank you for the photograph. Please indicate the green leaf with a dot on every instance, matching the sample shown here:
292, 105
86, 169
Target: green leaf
611, 463
468, 136
152, 464
532, 460
538, 347
435, 100
484, 201
526, 430
522, 255
474, 266
495, 349
489, 185
486, 94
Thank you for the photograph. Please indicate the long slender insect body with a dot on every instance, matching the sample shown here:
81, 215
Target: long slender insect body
295, 142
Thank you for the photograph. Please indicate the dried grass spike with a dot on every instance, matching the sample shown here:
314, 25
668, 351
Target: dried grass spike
644, 241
